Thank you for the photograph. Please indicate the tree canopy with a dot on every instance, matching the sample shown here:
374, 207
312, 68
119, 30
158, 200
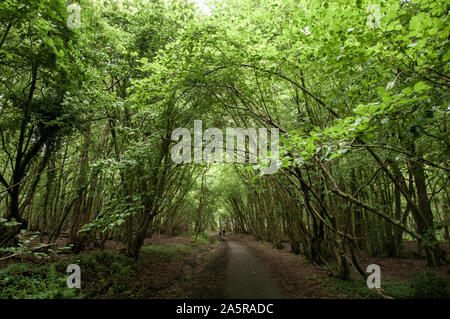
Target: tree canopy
358, 89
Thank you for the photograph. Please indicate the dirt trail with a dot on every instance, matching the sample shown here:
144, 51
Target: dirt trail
248, 277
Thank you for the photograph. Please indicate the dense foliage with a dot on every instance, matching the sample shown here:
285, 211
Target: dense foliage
358, 89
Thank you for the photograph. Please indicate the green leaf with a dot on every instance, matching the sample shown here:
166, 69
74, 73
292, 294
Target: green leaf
419, 87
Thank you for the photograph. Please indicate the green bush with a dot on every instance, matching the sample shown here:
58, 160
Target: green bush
398, 290
28, 281
103, 274
204, 238
428, 285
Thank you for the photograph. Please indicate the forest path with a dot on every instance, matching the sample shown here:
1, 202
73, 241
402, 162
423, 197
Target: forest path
247, 276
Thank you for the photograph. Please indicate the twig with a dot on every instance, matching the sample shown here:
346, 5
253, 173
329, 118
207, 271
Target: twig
33, 249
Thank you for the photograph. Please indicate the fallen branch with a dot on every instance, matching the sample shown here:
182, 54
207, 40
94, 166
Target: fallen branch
21, 253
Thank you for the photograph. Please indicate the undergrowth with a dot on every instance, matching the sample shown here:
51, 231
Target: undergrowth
426, 285
103, 274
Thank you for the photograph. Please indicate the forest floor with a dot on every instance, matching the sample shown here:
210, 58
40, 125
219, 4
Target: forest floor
300, 279
168, 267
179, 267
207, 267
